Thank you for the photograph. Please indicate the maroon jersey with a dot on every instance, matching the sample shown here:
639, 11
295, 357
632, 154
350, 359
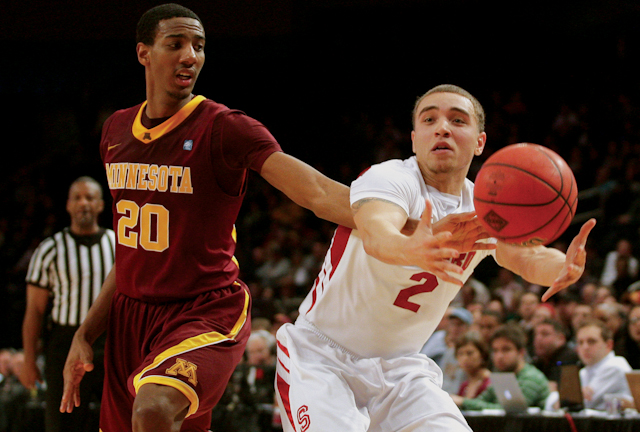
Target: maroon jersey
177, 189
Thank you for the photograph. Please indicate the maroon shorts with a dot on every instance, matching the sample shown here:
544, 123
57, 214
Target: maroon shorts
192, 346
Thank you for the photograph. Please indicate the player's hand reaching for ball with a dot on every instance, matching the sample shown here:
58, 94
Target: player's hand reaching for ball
79, 361
433, 251
576, 258
466, 232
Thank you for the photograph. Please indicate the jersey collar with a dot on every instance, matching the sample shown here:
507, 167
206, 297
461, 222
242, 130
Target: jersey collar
149, 135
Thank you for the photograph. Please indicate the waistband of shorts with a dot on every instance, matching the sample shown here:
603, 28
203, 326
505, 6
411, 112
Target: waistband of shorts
308, 325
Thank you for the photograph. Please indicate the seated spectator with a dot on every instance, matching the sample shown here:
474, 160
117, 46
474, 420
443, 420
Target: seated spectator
581, 314
508, 347
457, 324
603, 294
488, 322
472, 354
528, 302
508, 288
551, 350
614, 317
604, 372
632, 343
624, 249
496, 304
249, 400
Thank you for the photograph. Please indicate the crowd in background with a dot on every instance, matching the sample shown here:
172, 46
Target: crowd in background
281, 246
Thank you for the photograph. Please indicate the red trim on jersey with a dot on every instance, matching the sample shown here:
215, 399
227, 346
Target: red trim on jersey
338, 247
283, 348
283, 389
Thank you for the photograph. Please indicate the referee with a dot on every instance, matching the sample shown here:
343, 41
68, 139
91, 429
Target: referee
67, 269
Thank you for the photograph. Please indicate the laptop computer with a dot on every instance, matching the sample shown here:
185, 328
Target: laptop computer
633, 378
569, 388
508, 392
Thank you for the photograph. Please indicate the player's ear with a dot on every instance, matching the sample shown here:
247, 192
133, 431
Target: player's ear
413, 142
142, 51
482, 140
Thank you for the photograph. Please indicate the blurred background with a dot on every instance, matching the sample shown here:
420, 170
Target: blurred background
335, 82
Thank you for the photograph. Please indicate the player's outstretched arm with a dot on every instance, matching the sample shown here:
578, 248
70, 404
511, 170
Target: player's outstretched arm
309, 188
380, 222
548, 266
80, 357
466, 232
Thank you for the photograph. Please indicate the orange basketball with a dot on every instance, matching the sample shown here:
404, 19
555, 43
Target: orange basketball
525, 194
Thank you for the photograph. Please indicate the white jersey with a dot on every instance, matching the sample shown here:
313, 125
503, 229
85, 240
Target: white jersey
373, 309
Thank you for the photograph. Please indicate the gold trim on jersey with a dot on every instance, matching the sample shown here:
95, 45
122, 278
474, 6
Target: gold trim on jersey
187, 345
149, 135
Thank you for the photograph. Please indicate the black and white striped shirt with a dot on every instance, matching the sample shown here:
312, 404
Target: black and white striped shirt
73, 268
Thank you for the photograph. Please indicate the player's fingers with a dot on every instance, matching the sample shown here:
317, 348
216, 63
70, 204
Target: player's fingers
549, 293
463, 217
585, 230
445, 276
425, 219
484, 246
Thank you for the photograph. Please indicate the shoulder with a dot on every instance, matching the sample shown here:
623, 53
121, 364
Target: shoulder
394, 171
533, 373
620, 363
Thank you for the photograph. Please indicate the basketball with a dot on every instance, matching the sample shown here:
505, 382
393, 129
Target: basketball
525, 194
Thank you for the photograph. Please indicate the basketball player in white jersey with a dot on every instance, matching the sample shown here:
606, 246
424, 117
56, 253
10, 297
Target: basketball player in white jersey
351, 362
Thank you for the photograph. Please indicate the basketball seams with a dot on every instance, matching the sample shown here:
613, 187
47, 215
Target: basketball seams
554, 225
571, 178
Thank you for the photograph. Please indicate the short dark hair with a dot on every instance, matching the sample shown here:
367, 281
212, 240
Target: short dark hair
88, 180
450, 88
513, 333
557, 326
148, 25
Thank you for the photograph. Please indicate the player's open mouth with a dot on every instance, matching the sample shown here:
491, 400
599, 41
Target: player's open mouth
441, 147
184, 79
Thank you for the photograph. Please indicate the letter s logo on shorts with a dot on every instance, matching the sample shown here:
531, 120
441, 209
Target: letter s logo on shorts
303, 419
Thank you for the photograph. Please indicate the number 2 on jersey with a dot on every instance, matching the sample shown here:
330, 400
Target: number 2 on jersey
151, 237
429, 283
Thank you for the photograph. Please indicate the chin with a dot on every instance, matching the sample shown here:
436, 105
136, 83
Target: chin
181, 95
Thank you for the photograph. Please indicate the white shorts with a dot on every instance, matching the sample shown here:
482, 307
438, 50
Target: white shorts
321, 387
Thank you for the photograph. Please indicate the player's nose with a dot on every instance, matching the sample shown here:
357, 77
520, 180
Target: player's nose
189, 56
443, 128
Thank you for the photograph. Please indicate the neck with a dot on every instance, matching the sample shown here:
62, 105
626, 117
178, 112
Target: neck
477, 374
84, 230
520, 366
164, 106
446, 182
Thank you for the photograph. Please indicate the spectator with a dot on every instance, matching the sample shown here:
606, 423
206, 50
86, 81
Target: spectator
489, 321
551, 350
604, 372
472, 354
508, 288
613, 316
248, 402
457, 324
624, 249
632, 344
508, 349
526, 308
